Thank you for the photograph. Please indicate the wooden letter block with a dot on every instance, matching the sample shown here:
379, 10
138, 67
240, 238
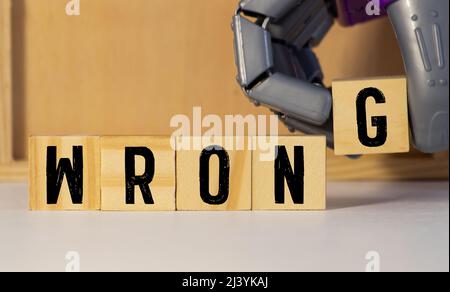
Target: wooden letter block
214, 176
64, 173
370, 116
137, 174
292, 177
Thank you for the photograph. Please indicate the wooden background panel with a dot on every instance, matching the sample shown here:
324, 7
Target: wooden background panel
5, 84
122, 67
126, 67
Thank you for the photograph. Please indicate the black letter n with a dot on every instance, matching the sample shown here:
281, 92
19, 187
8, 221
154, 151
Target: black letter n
294, 179
55, 175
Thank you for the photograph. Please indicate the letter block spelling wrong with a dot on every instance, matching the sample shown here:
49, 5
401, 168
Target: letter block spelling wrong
160, 174
137, 174
64, 173
213, 177
370, 116
292, 177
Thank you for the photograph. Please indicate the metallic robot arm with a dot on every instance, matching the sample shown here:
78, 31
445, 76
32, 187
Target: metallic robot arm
273, 56
422, 32
278, 69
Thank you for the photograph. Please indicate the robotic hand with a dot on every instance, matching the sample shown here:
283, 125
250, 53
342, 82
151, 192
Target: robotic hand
277, 67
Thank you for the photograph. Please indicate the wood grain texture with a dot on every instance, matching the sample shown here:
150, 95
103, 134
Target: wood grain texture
147, 60
113, 182
6, 138
394, 109
188, 176
38, 174
263, 182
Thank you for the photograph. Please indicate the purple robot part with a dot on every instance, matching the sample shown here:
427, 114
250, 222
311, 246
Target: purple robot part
351, 12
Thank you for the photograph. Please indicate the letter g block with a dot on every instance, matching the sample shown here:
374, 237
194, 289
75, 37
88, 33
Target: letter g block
370, 116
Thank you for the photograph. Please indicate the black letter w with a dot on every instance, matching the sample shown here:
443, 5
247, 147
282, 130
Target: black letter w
55, 175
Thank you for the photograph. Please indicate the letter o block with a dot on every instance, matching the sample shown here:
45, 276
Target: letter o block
214, 174
370, 116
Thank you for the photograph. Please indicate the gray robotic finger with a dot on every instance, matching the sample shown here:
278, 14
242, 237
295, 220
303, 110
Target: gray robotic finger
306, 24
278, 73
422, 30
296, 98
253, 50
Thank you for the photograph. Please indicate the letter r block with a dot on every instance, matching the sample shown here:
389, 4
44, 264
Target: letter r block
289, 173
137, 174
370, 116
64, 173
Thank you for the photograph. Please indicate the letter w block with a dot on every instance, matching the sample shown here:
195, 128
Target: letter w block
64, 173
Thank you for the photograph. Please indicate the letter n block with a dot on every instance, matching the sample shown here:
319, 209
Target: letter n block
370, 116
289, 173
64, 173
138, 174
214, 174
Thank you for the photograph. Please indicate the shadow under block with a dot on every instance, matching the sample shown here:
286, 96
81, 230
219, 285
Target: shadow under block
137, 174
292, 177
57, 163
214, 179
370, 116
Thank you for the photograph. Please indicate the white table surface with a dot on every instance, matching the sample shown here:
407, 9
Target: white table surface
406, 223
